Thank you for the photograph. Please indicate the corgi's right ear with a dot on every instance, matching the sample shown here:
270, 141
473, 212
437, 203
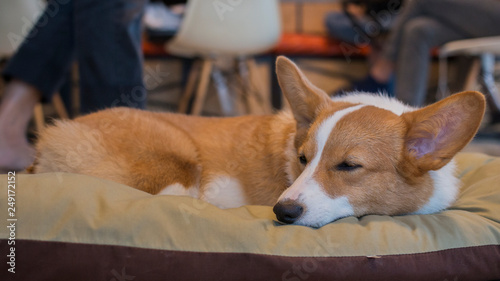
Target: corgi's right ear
305, 99
438, 131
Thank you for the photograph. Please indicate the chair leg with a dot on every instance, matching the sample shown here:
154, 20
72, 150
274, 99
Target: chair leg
255, 100
245, 99
39, 118
201, 92
471, 81
443, 78
189, 90
277, 98
220, 83
261, 95
488, 79
59, 106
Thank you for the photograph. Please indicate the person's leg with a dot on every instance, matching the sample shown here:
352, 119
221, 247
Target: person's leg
420, 36
383, 68
470, 18
47, 52
461, 18
340, 27
108, 42
35, 72
380, 73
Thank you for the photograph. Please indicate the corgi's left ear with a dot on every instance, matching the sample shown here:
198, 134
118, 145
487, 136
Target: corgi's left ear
305, 99
437, 132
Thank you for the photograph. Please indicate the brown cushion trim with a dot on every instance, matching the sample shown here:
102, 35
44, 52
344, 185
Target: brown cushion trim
41, 260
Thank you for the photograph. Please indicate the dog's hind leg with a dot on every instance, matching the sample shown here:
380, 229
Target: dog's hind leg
168, 174
147, 157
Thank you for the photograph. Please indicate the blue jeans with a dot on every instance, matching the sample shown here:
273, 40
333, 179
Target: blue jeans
103, 36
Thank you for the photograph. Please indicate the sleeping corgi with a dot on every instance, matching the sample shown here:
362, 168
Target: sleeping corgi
323, 160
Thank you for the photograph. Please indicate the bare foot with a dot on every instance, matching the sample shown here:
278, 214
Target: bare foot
15, 156
16, 111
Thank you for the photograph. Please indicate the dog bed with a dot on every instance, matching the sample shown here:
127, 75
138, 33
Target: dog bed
75, 227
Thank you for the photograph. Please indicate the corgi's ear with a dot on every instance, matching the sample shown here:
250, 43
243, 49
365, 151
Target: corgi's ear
437, 132
305, 99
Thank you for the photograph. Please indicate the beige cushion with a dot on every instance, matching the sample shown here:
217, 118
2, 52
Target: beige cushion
69, 214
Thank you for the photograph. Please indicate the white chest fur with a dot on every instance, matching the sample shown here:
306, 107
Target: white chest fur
221, 191
179, 190
224, 192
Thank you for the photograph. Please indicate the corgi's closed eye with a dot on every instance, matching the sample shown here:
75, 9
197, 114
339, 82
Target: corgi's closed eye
302, 159
346, 166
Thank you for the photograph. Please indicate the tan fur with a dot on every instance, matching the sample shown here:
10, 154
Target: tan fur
457, 118
371, 137
151, 151
392, 180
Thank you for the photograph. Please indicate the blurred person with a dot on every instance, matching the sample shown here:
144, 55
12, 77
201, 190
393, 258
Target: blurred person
362, 22
104, 37
421, 26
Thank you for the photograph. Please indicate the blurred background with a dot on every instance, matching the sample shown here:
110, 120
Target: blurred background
216, 57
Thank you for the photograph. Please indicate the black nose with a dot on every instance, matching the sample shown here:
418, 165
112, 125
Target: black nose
288, 211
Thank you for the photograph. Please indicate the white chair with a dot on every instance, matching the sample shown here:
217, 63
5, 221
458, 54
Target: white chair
226, 28
16, 20
484, 51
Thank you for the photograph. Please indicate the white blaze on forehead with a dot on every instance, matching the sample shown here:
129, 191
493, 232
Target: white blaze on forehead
381, 101
306, 178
